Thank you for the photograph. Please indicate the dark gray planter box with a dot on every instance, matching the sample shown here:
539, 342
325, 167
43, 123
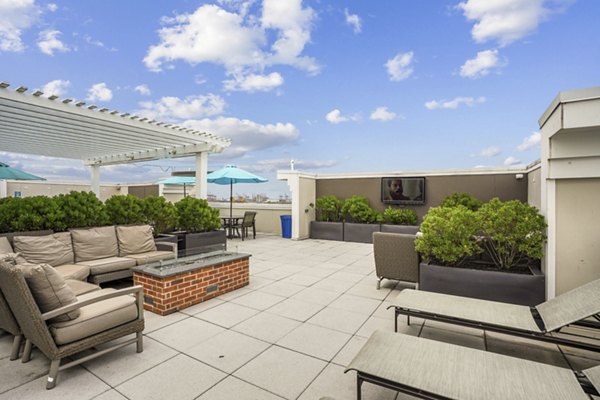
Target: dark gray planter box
506, 287
362, 233
201, 242
327, 230
410, 229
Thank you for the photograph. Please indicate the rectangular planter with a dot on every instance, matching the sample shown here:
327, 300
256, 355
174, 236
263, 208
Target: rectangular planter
201, 242
327, 230
505, 287
410, 229
362, 233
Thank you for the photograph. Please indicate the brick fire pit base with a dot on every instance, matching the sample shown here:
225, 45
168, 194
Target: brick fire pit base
169, 290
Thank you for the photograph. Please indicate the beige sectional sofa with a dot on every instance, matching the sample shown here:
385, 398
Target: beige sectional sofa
97, 254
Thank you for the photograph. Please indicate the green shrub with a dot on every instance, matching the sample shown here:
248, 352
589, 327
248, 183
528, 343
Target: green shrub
359, 210
195, 215
31, 214
511, 231
462, 199
125, 210
399, 216
7, 213
82, 210
328, 209
448, 235
159, 213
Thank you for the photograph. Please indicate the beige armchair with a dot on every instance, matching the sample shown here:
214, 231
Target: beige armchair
395, 257
83, 323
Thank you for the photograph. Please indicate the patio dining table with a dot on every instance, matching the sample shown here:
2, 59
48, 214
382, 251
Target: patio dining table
229, 224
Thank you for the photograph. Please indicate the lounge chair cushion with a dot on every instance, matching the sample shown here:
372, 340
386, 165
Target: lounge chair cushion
55, 249
13, 258
135, 239
490, 312
96, 317
575, 305
74, 271
459, 372
49, 289
5, 246
109, 264
151, 256
79, 287
94, 243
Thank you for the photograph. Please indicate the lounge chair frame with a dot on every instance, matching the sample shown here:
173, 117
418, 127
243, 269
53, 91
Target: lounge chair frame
540, 336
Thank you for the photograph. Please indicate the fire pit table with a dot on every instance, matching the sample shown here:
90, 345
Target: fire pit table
173, 285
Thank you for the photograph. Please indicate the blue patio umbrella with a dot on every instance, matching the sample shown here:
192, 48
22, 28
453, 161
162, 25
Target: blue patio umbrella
179, 180
230, 175
7, 172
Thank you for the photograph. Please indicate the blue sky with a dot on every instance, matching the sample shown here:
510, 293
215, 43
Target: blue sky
338, 86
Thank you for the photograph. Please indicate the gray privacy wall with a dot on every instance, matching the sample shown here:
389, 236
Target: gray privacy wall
483, 186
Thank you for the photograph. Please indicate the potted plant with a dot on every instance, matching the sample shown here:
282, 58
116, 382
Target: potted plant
399, 220
125, 210
328, 224
162, 216
37, 215
82, 210
490, 253
200, 224
360, 220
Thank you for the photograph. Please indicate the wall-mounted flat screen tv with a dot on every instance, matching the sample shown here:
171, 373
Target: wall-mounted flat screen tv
395, 190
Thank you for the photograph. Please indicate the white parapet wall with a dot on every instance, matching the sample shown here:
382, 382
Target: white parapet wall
13, 188
267, 214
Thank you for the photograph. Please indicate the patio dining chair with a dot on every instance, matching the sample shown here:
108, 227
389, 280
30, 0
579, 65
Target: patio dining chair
78, 324
249, 221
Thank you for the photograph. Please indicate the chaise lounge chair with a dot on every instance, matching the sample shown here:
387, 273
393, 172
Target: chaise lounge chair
542, 322
434, 370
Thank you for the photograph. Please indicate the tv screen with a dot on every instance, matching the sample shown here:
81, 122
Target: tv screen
403, 190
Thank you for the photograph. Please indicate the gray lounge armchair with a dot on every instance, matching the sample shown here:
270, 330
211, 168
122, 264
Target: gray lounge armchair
92, 319
395, 257
428, 369
580, 306
10, 325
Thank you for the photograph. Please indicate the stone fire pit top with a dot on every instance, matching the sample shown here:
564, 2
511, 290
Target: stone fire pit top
167, 268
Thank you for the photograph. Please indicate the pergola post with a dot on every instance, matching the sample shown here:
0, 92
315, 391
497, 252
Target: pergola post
201, 172
96, 179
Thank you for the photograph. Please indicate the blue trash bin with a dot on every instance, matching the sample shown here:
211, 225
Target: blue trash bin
286, 226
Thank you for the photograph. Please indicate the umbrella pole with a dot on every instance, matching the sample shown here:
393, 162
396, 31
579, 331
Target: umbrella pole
184, 191
230, 200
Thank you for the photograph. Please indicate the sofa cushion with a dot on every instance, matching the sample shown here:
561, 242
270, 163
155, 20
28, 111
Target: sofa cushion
96, 317
151, 256
49, 289
13, 258
55, 249
5, 246
94, 243
80, 287
135, 239
109, 264
74, 271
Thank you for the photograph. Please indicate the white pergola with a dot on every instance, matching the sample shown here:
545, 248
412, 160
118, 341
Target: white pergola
49, 126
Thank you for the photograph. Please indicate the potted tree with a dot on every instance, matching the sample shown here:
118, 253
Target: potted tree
490, 253
328, 224
399, 220
360, 220
125, 210
162, 216
200, 224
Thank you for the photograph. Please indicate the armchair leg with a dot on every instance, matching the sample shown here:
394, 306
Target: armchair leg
379, 282
52, 374
27, 351
140, 342
253, 231
16, 347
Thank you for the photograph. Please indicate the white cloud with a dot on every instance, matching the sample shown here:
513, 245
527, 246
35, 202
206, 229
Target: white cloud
481, 65
172, 108
353, 21
143, 89
52, 7
510, 160
491, 151
56, 87
15, 17
399, 67
336, 117
246, 135
530, 141
507, 20
284, 163
382, 114
237, 40
48, 42
99, 92
454, 103
253, 82
94, 42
